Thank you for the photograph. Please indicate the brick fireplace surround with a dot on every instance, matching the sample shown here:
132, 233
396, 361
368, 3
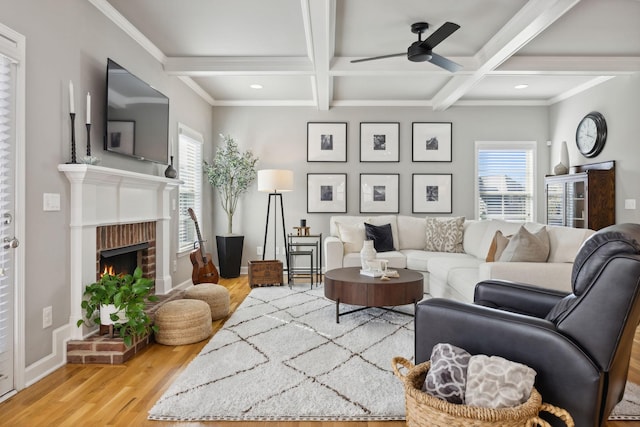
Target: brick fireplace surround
135, 207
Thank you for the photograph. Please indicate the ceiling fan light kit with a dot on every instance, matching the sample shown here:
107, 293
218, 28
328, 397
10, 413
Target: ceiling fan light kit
422, 50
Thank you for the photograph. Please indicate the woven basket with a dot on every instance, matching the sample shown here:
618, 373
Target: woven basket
423, 409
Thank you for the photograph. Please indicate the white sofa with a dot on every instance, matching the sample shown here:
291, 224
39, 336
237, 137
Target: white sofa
454, 275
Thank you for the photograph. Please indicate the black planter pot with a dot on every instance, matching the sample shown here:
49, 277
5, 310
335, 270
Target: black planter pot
230, 255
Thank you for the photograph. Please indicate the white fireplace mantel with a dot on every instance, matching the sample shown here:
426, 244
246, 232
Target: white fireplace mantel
104, 196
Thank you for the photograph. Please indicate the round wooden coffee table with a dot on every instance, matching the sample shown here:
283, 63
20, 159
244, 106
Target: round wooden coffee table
348, 286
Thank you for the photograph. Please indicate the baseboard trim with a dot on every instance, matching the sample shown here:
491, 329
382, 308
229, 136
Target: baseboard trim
58, 357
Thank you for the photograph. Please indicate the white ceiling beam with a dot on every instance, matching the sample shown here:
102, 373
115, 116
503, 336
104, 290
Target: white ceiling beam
570, 65
530, 21
234, 66
320, 17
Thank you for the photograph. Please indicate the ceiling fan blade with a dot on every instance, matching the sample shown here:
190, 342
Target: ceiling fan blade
445, 63
379, 57
440, 34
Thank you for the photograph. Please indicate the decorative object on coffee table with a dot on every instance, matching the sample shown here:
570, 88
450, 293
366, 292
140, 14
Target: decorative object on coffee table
231, 173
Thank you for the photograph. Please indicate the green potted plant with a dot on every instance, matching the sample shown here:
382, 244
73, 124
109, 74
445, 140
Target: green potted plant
231, 173
120, 300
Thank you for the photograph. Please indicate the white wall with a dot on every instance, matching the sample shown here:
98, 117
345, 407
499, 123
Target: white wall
71, 40
619, 101
278, 136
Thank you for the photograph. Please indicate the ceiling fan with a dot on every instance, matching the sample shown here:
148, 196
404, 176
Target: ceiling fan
422, 50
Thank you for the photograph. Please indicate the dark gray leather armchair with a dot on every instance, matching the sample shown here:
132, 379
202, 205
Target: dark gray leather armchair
579, 344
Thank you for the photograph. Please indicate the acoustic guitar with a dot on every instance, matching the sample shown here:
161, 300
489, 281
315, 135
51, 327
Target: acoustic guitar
203, 269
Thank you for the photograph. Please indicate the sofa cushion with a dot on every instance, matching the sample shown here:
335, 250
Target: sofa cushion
564, 242
474, 232
463, 282
526, 246
441, 266
381, 236
411, 232
444, 234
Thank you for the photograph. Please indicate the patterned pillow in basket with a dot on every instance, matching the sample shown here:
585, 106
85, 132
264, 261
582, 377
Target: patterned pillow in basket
447, 375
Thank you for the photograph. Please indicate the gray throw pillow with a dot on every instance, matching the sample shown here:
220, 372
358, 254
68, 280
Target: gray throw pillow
525, 246
447, 375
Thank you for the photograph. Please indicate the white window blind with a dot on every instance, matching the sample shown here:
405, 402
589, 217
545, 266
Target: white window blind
505, 176
190, 171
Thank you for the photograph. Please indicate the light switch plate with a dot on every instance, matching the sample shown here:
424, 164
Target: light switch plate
629, 203
51, 201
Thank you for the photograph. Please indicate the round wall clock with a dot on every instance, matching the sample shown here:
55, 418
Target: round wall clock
591, 134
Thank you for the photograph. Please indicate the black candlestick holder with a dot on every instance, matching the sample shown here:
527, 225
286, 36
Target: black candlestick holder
73, 138
88, 125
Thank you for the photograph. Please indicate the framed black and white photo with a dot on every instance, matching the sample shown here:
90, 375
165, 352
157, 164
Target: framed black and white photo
327, 142
431, 193
379, 142
431, 142
327, 192
121, 136
379, 193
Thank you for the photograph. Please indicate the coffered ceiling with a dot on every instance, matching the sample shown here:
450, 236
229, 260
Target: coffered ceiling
300, 51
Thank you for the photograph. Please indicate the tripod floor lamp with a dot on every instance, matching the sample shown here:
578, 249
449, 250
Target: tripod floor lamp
275, 182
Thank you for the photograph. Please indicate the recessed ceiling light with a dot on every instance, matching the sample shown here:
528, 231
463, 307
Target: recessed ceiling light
523, 86
255, 86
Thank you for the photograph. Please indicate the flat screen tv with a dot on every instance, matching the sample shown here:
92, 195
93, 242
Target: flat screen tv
137, 117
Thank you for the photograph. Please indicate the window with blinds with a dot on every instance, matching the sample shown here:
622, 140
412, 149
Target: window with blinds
505, 177
190, 172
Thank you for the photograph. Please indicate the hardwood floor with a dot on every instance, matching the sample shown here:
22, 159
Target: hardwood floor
104, 395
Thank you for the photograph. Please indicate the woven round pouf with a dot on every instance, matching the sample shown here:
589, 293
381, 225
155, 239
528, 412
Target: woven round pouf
217, 296
183, 321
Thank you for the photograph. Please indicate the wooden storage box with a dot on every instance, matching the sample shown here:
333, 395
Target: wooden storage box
263, 273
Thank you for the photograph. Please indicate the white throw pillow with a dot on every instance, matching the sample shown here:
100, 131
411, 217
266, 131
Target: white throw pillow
352, 236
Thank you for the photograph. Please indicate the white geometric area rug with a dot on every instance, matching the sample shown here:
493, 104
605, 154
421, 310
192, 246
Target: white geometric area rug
282, 357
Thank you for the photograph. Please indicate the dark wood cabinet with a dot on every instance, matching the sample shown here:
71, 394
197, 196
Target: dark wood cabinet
584, 198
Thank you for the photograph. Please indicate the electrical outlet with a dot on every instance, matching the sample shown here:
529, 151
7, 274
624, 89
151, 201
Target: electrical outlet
629, 203
47, 317
175, 265
259, 250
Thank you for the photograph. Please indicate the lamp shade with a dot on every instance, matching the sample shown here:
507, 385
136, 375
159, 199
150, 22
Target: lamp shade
275, 180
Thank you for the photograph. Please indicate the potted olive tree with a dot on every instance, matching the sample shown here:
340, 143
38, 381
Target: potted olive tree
231, 173
120, 300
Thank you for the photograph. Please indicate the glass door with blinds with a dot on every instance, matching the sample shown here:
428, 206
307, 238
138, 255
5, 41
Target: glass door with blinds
7, 232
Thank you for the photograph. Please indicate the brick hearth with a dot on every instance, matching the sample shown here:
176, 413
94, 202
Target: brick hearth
103, 349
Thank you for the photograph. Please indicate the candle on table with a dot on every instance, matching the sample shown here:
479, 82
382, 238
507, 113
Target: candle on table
88, 108
72, 108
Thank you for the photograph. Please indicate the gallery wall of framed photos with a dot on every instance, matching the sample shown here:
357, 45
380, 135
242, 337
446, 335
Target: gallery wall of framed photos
379, 142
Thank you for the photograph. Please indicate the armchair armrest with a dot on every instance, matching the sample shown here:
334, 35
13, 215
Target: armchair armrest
566, 376
517, 297
334, 252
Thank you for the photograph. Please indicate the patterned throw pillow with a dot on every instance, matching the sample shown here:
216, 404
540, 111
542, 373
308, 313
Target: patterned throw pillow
447, 376
495, 382
444, 234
